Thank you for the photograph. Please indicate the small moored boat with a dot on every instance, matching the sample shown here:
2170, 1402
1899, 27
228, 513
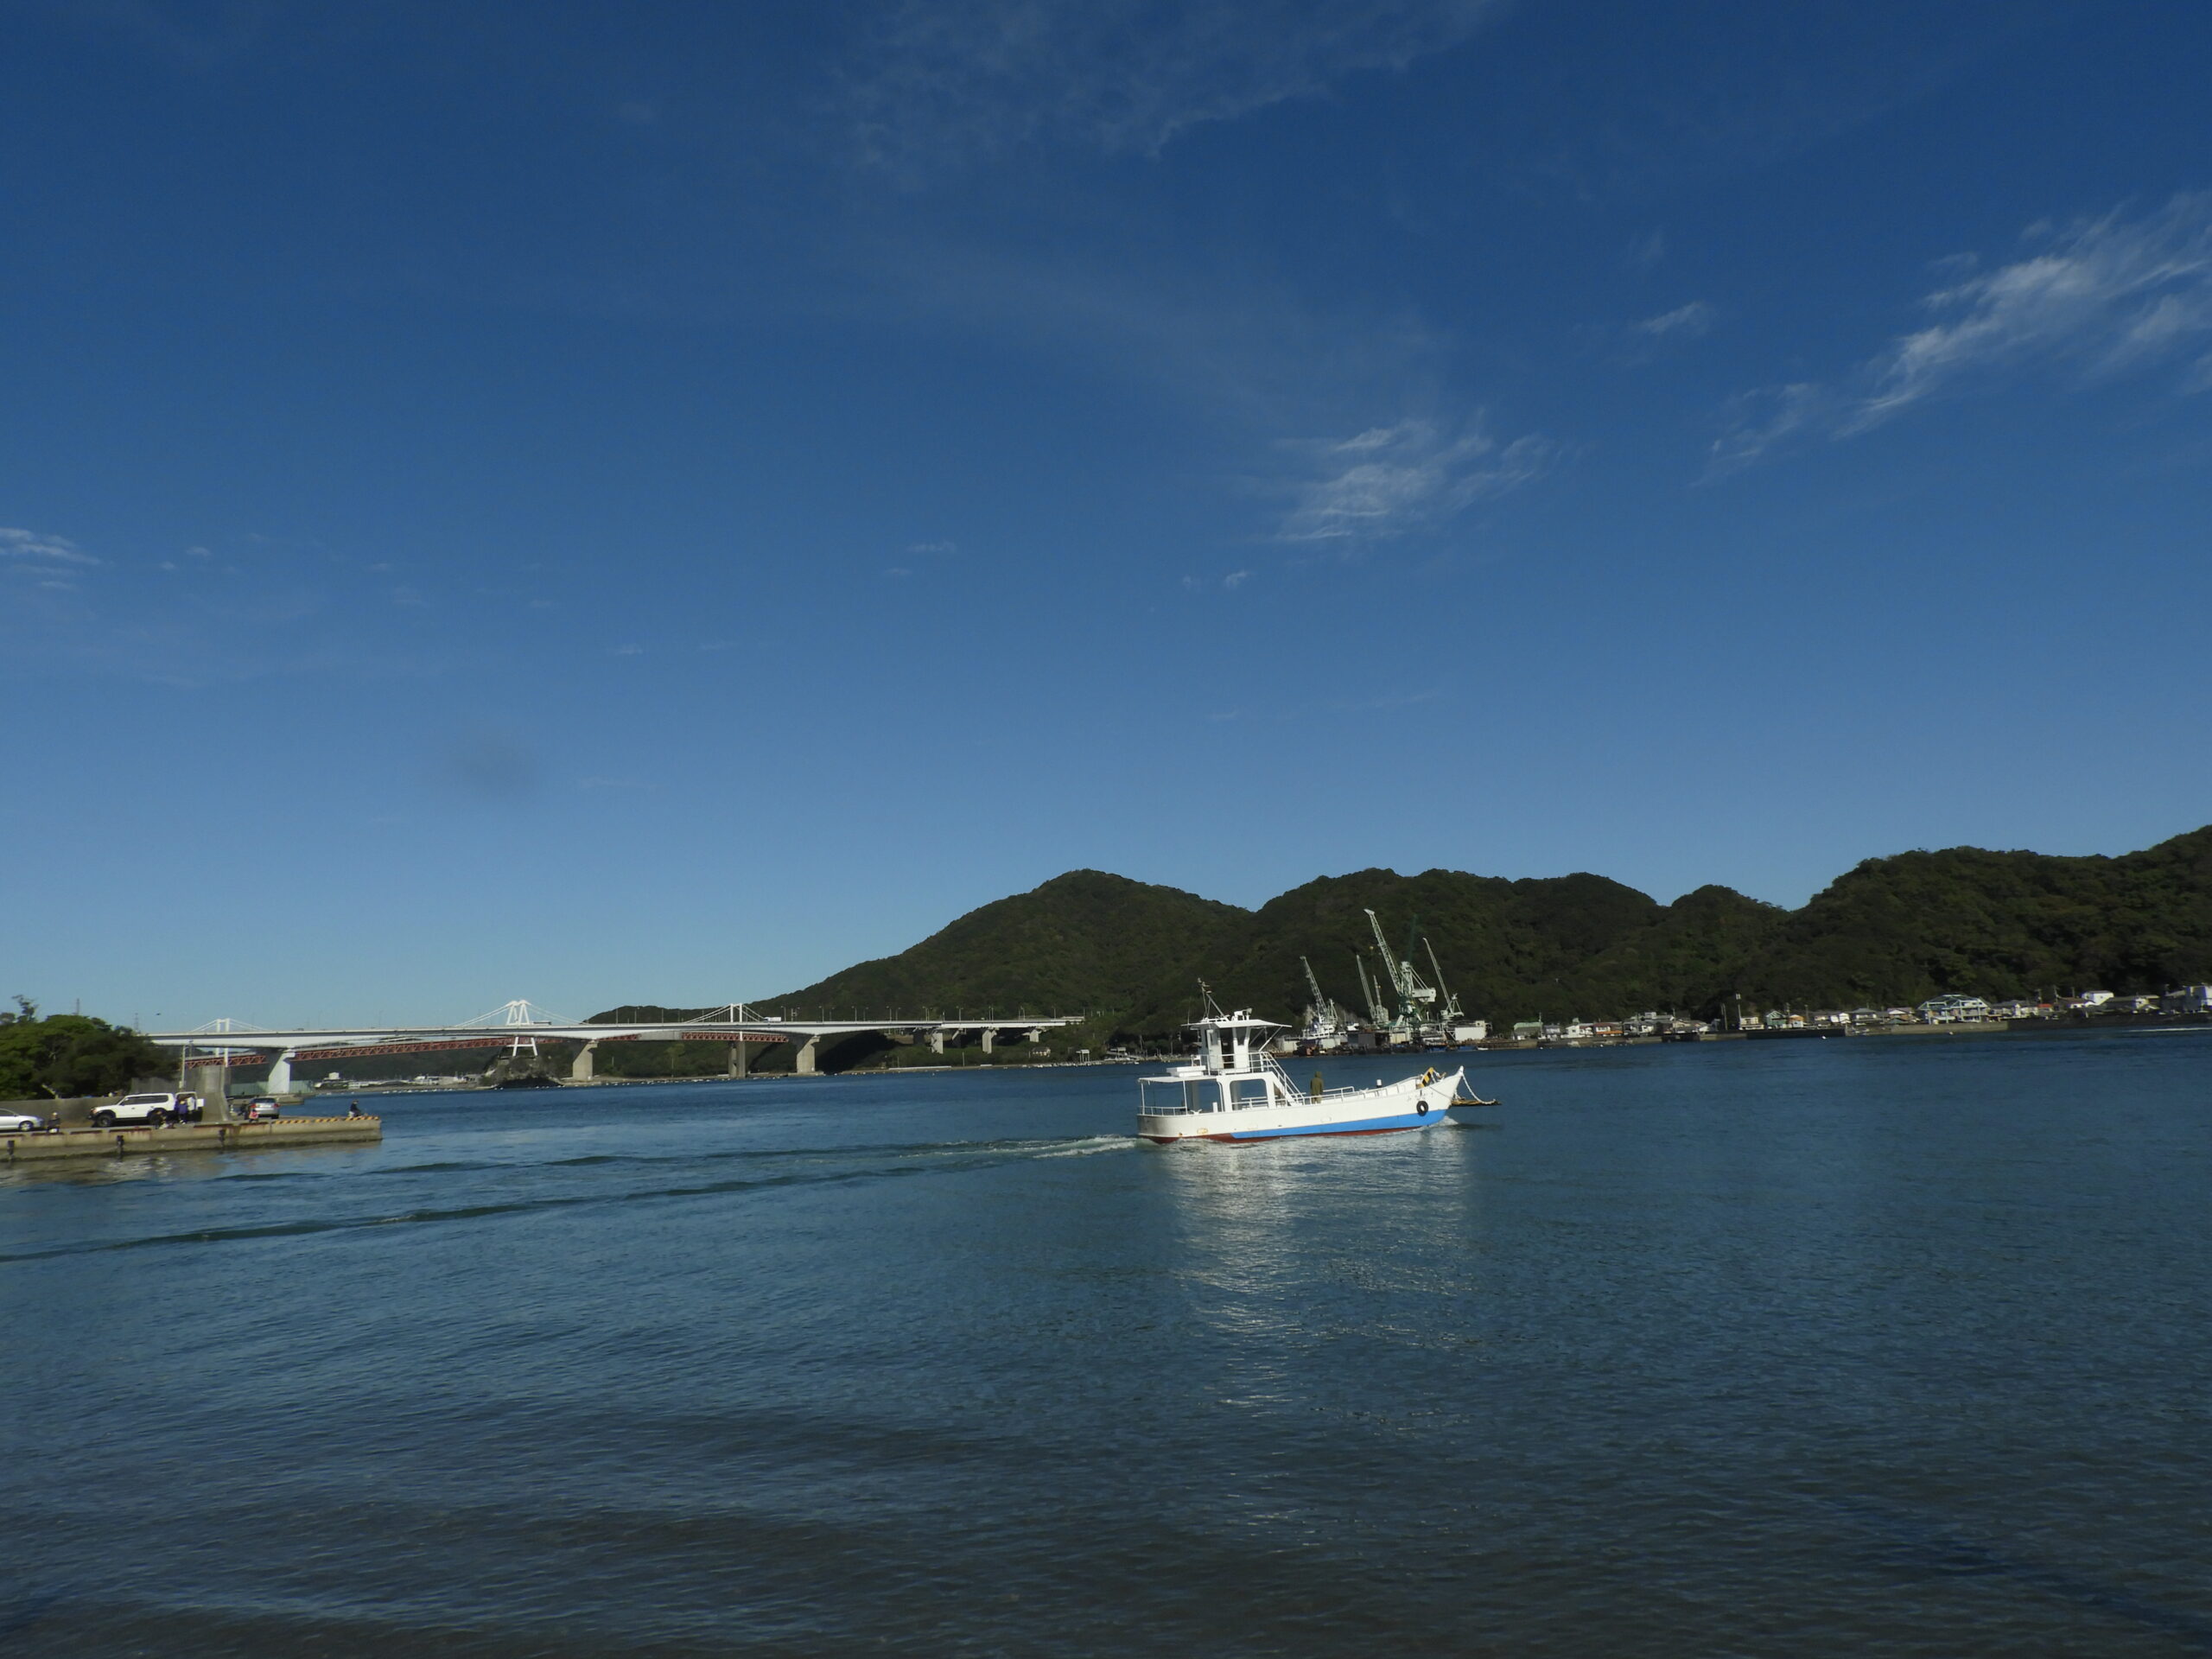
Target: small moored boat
1237, 1091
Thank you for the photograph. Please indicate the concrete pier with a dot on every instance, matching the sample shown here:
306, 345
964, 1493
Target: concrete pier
188, 1137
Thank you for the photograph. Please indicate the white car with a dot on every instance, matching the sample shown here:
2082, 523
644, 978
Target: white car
152, 1110
20, 1123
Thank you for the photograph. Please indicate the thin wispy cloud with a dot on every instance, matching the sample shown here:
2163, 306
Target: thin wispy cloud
1390, 480
1392, 699
193, 37
49, 561
1757, 421
942, 82
2099, 298
1690, 321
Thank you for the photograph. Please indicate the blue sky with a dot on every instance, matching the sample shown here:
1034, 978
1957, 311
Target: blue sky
602, 503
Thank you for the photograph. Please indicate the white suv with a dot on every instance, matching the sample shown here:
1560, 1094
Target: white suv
153, 1109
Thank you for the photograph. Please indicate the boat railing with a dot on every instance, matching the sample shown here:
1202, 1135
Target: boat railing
1173, 1102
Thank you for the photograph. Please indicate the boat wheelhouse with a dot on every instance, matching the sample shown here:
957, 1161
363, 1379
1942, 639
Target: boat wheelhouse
1237, 1091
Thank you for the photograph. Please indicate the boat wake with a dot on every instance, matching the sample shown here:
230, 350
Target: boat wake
838, 1167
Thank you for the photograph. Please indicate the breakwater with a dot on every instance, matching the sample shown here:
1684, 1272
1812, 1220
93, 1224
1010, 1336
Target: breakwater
42, 1146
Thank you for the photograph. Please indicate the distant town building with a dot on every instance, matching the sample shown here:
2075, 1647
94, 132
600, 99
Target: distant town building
2190, 999
1948, 1010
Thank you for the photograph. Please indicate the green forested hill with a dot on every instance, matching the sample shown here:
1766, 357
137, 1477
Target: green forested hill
1897, 929
1083, 942
1998, 924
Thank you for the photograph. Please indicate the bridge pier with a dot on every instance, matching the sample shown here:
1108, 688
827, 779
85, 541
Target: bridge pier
737, 1058
280, 1074
804, 1063
213, 1084
581, 1070
937, 1041
989, 1031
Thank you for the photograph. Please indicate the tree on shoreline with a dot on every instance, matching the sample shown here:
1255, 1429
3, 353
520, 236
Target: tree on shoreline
61, 1056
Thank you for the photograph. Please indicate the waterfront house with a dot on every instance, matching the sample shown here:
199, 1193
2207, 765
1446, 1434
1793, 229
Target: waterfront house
2190, 999
1950, 1009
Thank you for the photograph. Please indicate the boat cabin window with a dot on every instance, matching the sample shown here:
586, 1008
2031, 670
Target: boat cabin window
1181, 1095
1250, 1091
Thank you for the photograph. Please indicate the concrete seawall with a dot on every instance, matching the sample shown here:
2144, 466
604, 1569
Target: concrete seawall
188, 1137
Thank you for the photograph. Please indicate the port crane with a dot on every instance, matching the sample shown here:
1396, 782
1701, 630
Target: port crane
1449, 1013
1326, 1022
1425, 1013
1377, 1014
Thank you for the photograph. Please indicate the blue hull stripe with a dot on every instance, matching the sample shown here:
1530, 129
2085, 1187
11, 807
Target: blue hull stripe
1359, 1126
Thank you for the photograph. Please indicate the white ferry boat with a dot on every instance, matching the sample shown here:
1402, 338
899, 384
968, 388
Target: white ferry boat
1237, 1091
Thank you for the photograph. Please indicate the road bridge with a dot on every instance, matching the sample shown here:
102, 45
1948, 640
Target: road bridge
522, 1025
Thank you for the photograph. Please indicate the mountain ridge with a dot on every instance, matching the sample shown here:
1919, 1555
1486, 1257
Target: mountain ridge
1896, 928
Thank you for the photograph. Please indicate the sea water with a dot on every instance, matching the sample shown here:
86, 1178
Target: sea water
1849, 1347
